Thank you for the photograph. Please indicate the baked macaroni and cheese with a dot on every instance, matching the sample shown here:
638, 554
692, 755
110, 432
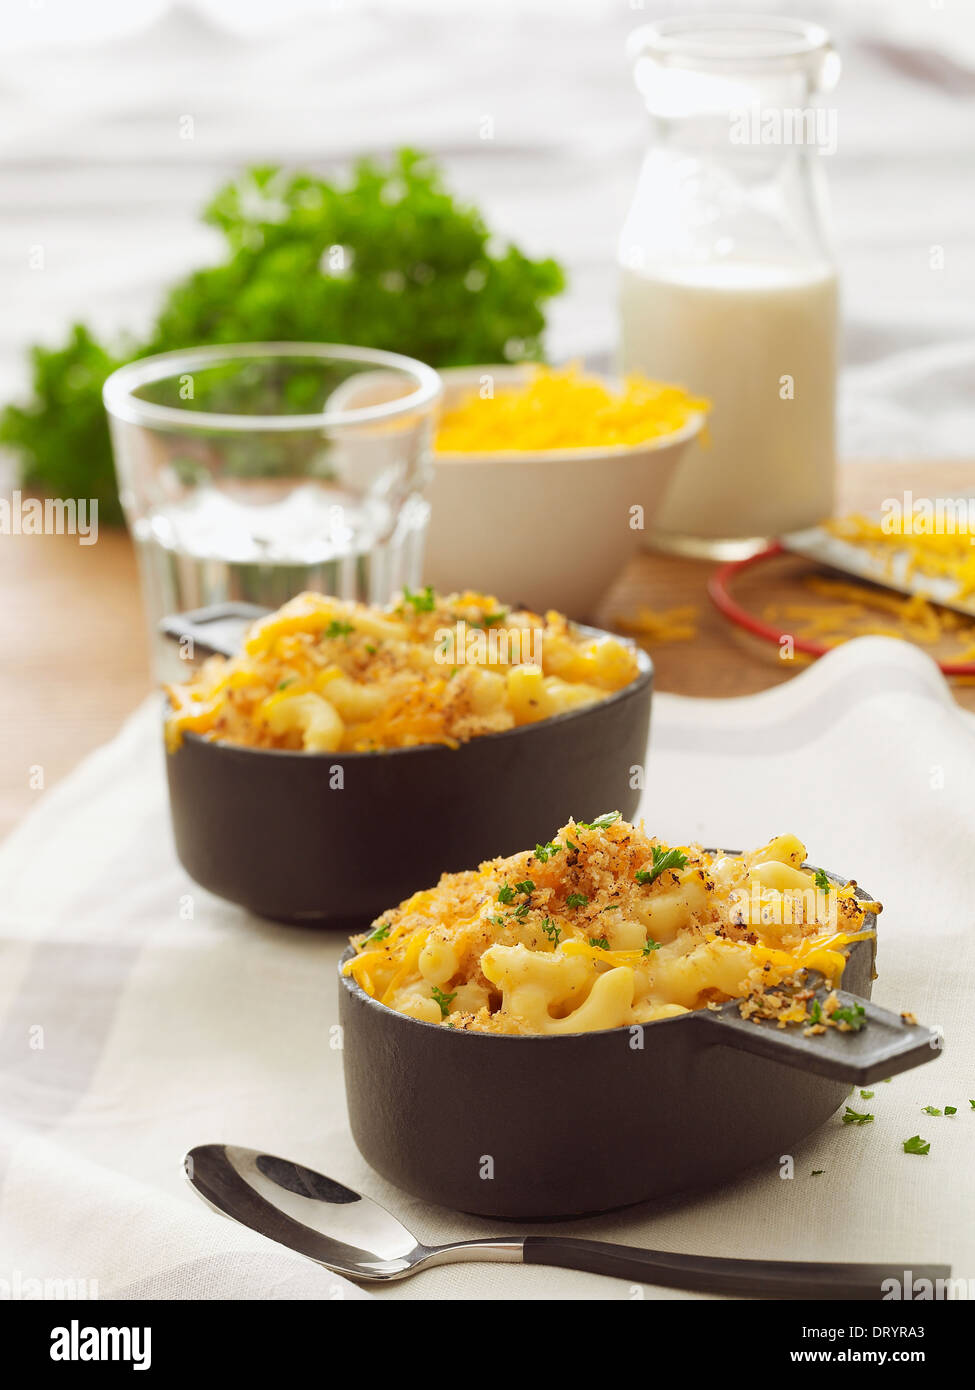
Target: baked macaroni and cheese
325, 675
605, 927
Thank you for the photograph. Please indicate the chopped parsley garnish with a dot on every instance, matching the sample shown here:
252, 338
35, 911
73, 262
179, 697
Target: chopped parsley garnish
857, 1117
916, 1145
543, 853
853, 1015
816, 1012
491, 618
602, 822
381, 932
867, 1095
930, 1110
421, 603
599, 941
283, 685
452, 672
613, 907
371, 649
574, 848
951, 1109
552, 931
506, 894
339, 629
817, 1171
576, 900
444, 1000
972, 1104
650, 945
663, 859
822, 881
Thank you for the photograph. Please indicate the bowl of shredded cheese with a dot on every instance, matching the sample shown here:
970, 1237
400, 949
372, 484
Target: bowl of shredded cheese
546, 479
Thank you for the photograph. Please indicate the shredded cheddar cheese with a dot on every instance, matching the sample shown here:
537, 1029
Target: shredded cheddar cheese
861, 610
561, 408
948, 554
908, 548
651, 626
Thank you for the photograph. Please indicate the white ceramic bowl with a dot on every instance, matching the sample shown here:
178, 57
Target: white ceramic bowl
546, 528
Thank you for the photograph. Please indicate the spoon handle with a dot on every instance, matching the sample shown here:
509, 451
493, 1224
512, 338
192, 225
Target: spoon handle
710, 1274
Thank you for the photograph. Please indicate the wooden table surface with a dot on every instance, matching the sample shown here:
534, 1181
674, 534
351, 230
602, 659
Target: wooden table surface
76, 649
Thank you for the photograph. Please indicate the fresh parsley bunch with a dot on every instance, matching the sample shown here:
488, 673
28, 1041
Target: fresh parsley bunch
390, 260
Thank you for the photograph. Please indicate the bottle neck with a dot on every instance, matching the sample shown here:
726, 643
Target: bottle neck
704, 196
734, 175
737, 85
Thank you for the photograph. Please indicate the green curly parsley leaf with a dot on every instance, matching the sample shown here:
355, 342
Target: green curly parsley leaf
663, 859
386, 257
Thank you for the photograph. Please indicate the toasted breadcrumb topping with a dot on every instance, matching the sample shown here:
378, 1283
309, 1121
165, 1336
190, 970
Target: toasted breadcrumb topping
605, 926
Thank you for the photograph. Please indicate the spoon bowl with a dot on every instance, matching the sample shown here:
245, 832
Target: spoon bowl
319, 1217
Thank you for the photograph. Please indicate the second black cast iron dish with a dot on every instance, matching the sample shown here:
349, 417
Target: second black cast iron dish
534, 1127
336, 838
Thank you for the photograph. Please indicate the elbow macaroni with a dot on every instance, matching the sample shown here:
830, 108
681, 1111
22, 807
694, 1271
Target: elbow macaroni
604, 927
323, 675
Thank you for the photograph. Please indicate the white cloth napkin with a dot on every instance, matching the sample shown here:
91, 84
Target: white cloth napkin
140, 1016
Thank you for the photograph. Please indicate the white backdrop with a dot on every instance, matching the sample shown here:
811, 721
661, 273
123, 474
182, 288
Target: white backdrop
93, 168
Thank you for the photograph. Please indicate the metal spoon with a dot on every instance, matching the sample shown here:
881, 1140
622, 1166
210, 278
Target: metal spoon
352, 1235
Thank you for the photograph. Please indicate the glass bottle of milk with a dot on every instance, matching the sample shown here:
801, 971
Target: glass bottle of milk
728, 283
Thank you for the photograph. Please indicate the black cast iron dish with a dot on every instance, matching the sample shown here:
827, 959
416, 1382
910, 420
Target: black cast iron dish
274, 832
545, 1127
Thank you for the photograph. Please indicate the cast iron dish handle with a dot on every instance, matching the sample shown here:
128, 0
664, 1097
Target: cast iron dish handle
710, 1274
214, 631
884, 1045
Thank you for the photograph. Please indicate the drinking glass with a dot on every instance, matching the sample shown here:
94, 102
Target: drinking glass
256, 470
